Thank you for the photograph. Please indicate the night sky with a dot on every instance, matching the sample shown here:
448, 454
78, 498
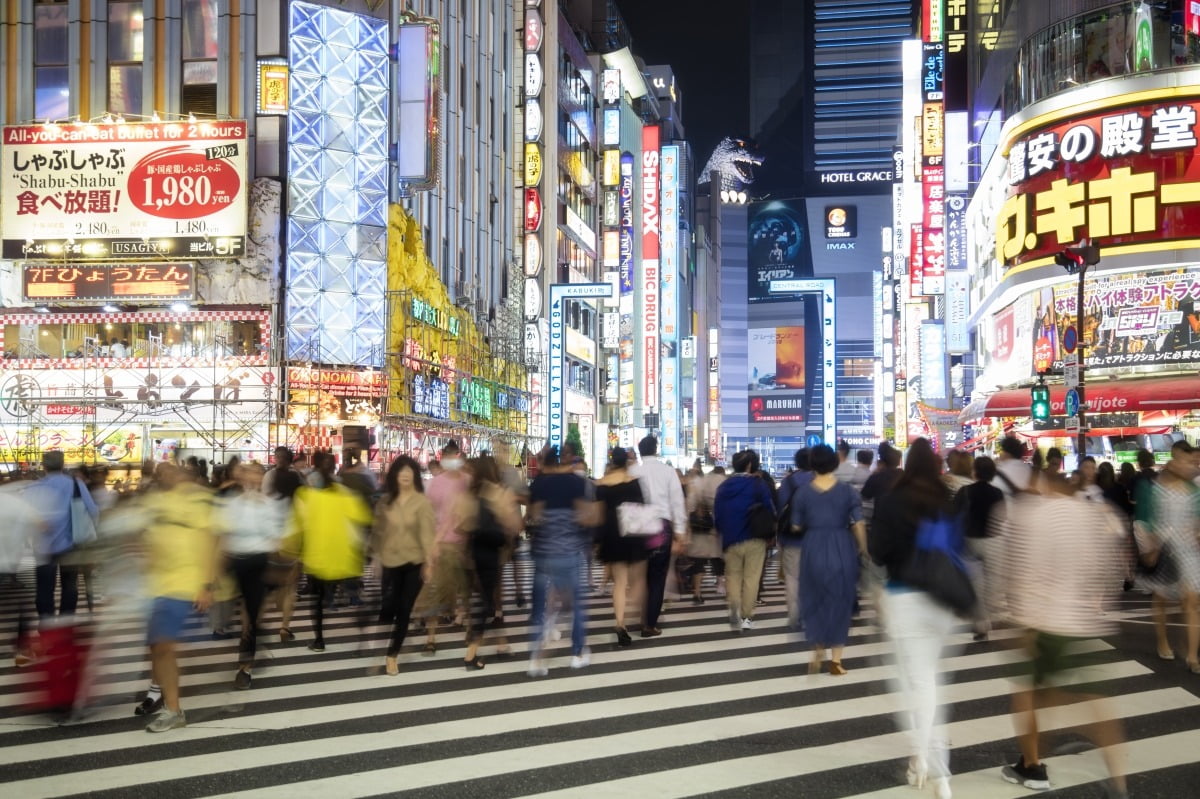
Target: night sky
707, 44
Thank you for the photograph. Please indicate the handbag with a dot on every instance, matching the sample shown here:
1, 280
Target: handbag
937, 568
701, 519
638, 519
83, 527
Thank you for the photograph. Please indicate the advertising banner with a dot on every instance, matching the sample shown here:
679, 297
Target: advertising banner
211, 396
1124, 176
933, 361
670, 243
1130, 319
78, 444
783, 406
650, 320
339, 382
958, 311
776, 358
121, 191
956, 233
779, 248
165, 280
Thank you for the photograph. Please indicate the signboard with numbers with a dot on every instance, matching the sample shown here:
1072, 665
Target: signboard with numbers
124, 191
1121, 176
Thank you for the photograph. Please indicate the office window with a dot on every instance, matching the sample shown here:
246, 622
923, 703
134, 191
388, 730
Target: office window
125, 38
199, 58
51, 91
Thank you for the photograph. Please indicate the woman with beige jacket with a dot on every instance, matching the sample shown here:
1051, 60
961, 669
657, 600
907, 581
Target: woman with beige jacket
403, 543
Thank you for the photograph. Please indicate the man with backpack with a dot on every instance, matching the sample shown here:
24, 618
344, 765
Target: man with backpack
789, 542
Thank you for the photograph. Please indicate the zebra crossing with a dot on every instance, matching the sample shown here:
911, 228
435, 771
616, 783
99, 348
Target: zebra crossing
696, 712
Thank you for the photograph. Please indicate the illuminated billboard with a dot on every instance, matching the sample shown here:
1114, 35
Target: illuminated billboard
779, 247
775, 358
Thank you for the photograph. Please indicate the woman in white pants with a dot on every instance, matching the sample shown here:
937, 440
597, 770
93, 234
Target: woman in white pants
916, 623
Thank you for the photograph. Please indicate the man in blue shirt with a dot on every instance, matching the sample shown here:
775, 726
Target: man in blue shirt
51, 497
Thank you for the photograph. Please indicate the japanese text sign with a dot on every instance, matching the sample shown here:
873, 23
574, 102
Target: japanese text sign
172, 280
125, 190
1119, 177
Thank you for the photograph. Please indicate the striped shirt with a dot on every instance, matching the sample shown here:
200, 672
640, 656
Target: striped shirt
1062, 564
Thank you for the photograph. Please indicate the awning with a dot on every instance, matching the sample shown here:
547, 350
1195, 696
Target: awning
1178, 394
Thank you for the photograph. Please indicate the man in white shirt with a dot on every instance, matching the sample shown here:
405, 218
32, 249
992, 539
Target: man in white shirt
1013, 474
664, 492
846, 467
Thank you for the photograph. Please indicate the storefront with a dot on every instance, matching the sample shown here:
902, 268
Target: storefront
1123, 172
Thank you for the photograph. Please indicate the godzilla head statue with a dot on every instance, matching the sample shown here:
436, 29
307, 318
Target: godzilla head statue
735, 159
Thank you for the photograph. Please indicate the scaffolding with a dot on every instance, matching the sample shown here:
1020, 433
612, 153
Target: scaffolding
226, 399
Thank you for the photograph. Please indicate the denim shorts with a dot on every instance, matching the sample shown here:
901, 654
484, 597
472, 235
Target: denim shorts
167, 619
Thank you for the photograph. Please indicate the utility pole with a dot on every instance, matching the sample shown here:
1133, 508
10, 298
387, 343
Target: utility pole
1076, 261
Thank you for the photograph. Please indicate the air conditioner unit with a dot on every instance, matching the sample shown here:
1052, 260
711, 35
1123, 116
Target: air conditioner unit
481, 309
464, 293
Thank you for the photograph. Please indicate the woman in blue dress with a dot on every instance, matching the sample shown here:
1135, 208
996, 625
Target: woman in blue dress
829, 512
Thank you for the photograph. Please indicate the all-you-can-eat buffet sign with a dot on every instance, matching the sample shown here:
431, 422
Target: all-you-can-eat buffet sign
121, 191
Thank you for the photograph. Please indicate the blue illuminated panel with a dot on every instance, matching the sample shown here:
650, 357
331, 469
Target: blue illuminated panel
336, 273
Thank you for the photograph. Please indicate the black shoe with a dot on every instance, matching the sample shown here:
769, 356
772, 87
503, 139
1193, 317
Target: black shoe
286, 635
221, 635
1033, 777
148, 706
650, 632
317, 645
698, 600
473, 665
520, 600
623, 637
241, 680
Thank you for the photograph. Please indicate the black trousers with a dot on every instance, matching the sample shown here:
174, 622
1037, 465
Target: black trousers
487, 571
248, 571
321, 589
400, 587
657, 568
46, 577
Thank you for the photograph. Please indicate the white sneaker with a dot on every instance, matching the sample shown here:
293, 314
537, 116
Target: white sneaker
747, 624
537, 668
582, 660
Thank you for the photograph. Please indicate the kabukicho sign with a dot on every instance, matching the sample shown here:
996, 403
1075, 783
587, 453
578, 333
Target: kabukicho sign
122, 191
1124, 176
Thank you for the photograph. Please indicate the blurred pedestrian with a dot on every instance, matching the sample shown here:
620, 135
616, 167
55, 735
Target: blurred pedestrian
251, 526
734, 506
981, 508
1013, 475
958, 471
562, 508
329, 524
182, 562
704, 542
1063, 567
663, 492
59, 499
1167, 528
1114, 490
887, 474
449, 593
403, 544
917, 624
828, 513
790, 544
625, 556
491, 515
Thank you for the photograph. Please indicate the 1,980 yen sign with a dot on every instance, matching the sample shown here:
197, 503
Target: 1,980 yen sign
123, 190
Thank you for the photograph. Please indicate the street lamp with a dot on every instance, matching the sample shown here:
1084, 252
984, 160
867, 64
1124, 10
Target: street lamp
1076, 261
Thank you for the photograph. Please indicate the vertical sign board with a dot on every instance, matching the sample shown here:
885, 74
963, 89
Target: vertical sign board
669, 268
826, 291
650, 321
625, 276
933, 184
958, 311
559, 292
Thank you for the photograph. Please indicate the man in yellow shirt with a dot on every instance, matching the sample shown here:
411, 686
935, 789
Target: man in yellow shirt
182, 563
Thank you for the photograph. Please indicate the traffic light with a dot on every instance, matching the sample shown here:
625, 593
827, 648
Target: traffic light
1075, 259
1040, 402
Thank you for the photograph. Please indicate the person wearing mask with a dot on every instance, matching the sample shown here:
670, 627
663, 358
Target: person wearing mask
1167, 529
251, 528
182, 562
664, 492
980, 505
1062, 608
328, 524
790, 543
828, 513
745, 554
846, 466
490, 514
1013, 474
916, 623
562, 511
704, 543
625, 556
449, 593
402, 541
52, 498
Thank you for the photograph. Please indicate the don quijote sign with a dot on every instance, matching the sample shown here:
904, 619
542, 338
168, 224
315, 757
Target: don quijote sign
1123, 176
123, 191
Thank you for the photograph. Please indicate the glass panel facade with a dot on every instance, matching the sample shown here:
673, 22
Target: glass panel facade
51, 87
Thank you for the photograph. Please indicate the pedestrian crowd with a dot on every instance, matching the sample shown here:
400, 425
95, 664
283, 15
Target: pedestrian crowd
933, 542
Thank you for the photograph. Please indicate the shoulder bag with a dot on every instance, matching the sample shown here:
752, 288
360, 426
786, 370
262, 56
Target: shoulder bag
83, 527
